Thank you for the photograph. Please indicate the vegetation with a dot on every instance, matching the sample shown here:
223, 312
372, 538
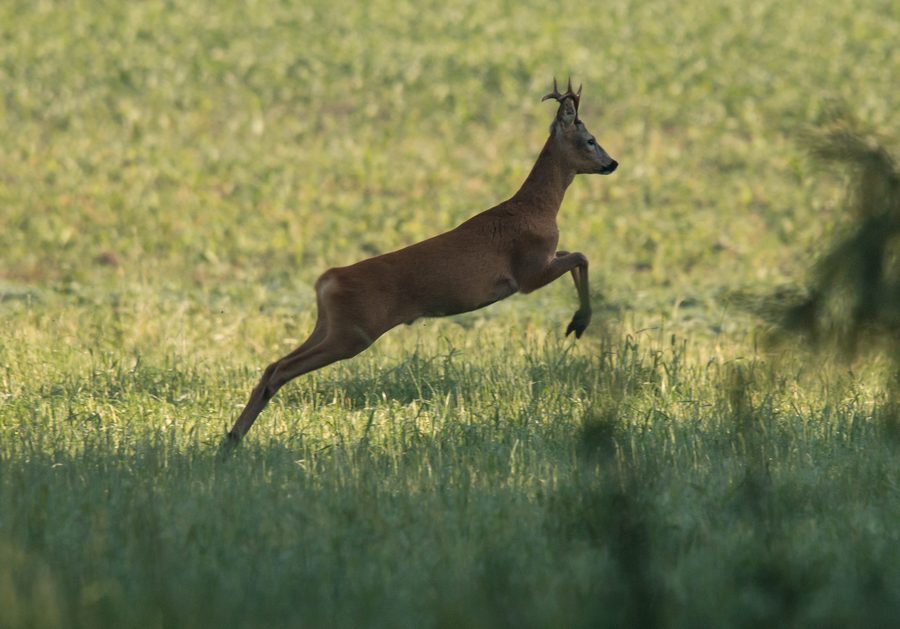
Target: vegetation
173, 178
851, 299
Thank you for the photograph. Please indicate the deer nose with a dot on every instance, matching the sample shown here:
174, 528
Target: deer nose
613, 164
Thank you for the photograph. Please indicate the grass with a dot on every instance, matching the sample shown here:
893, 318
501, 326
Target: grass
174, 178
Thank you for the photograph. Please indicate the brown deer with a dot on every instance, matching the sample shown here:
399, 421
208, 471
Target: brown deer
507, 249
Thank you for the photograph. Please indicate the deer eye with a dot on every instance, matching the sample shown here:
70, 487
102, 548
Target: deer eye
591, 142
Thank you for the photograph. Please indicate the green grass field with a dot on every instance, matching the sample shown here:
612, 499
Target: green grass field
175, 176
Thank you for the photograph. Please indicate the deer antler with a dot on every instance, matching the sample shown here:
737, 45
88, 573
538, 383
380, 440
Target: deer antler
575, 96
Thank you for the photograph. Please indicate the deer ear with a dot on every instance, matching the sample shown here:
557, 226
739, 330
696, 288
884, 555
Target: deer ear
566, 114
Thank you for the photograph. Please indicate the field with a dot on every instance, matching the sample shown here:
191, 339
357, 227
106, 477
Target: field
174, 177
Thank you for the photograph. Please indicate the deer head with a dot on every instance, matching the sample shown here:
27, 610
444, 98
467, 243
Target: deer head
578, 147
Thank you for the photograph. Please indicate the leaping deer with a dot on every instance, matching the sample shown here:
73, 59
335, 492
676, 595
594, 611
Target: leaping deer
507, 249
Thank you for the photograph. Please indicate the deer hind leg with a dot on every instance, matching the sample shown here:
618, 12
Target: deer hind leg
258, 398
332, 348
336, 336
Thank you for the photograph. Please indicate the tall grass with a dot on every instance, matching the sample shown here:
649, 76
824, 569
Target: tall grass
540, 486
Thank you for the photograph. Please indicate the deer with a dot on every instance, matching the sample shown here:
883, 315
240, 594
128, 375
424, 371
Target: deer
507, 249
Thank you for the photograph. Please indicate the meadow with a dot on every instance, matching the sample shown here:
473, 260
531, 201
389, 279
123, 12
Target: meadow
174, 177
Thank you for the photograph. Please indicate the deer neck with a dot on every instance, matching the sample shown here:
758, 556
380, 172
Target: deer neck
545, 186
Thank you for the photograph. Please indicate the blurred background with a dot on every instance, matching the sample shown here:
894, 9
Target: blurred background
211, 147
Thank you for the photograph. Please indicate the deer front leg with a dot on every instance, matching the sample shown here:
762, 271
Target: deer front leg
582, 316
562, 263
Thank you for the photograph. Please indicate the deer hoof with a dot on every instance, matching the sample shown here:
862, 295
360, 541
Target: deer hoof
229, 444
578, 324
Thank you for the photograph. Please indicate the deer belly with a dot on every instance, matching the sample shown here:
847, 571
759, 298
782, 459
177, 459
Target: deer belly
466, 298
